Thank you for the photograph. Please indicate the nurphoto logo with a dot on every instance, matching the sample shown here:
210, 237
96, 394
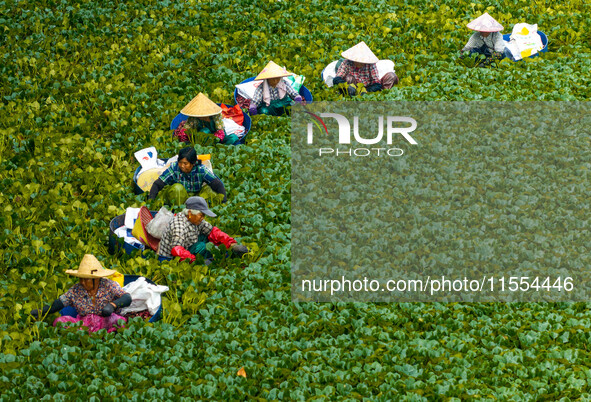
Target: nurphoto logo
392, 129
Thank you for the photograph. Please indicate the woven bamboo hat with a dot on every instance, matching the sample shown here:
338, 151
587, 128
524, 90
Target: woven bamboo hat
272, 70
201, 106
360, 53
90, 267
485, 23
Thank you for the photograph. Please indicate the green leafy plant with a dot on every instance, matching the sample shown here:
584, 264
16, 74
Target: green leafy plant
84, 85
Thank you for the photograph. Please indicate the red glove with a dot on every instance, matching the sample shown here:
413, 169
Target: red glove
182, 253
218, 237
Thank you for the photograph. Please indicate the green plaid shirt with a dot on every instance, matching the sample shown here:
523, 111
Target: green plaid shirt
192, 181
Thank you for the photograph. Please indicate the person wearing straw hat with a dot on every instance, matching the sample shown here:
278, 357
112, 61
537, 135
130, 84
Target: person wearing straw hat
95, 297
205, 116
275, 94
487, 40
187, 175
188, 233
359, 67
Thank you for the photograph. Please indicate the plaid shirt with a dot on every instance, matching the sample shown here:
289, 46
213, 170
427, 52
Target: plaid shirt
366, 74
192, 181
494, 42
181, 232
80, 299
257, 98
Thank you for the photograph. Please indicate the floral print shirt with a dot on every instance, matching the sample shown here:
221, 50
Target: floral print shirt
79, 298
214, 124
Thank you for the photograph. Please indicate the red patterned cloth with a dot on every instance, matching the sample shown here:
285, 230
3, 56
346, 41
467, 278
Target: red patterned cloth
94, 322
234, 113
242, 101
145, 314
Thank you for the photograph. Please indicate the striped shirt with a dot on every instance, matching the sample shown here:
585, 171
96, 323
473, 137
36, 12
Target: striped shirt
192, 181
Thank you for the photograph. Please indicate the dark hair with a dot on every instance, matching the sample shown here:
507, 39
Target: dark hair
189, 154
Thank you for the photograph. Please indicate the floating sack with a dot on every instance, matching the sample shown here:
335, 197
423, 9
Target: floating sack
157, 226
147, 157
385, 67
525, 41
144, 296
247, 89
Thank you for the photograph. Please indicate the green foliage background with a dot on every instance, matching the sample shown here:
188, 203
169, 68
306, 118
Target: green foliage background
85, 84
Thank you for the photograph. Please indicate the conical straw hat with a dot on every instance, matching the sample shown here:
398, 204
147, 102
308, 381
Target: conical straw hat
272, 70
485, 23
90, 267
201, 106
360, 53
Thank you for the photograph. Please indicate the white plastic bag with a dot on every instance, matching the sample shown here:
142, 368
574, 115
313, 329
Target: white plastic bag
525, 41
329, 73
157, 226
130, 217
247, 89
385, 67
144, 296
232, 127
147, 157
